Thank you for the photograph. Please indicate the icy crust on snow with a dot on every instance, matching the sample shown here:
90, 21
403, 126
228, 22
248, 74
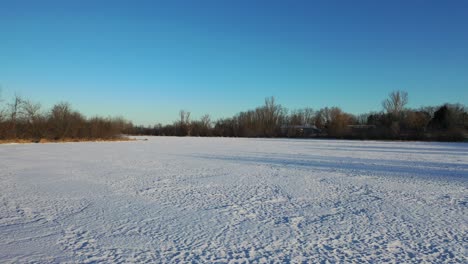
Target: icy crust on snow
224, 200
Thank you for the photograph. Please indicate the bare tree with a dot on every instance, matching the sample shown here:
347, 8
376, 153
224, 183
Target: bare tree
308, 115
32, 118
296, 117
396, 102
31, 110
271, 115
15, 111
184, 123
201, 127
60, 119
206, 121
323, 117
15, 107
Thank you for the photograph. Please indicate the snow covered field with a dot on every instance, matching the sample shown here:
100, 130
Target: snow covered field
242, 200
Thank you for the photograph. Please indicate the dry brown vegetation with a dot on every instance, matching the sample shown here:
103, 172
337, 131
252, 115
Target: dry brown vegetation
63, 140
448, 122
24, 121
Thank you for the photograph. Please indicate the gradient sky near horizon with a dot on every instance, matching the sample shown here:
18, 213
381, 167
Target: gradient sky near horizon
146, 60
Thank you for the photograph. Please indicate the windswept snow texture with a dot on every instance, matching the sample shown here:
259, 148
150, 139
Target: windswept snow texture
224, 200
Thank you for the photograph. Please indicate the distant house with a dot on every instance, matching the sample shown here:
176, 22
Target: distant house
361, 130
300, 130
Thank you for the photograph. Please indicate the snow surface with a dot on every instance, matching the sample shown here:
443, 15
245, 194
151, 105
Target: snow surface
234, 200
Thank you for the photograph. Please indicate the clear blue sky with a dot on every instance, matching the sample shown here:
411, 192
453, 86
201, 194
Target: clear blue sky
146, 60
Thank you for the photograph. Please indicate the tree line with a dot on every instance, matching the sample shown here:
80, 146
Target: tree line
447, 122
23, 119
